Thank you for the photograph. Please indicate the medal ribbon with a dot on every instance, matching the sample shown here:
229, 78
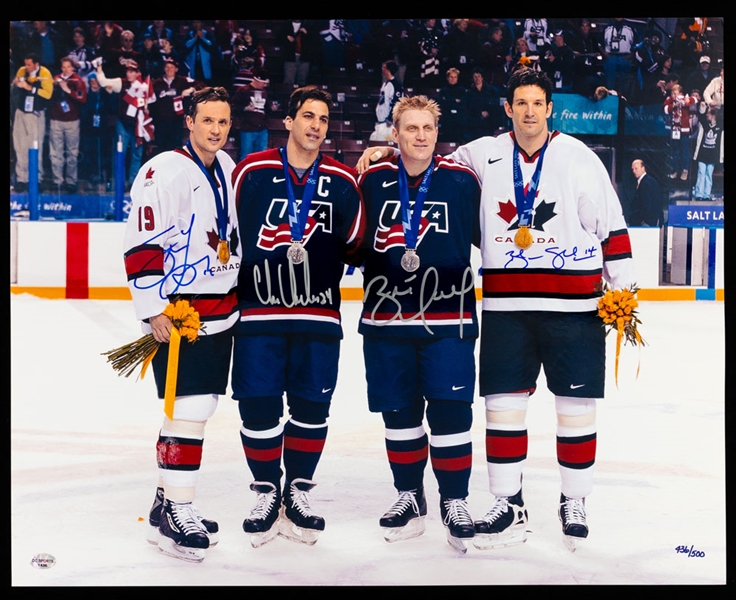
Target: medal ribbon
410, 219
220, 200
525, 201
298, 215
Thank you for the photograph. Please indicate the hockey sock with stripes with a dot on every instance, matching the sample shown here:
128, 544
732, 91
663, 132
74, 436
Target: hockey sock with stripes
407, 446
450, 446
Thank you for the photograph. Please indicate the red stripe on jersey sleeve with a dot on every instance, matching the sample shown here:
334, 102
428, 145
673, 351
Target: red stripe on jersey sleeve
617, 246
144, 260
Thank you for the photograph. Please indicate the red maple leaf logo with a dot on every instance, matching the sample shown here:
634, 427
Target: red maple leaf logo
507, 211
149, 174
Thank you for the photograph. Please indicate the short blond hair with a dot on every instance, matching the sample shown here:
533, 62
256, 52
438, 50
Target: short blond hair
416, 103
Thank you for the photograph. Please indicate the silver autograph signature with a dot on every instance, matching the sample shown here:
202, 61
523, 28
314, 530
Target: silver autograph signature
289, 296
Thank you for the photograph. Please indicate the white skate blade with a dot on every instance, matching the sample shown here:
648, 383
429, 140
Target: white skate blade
170, 548
154, 535
459, 544
572, 543
263, 537
290, 531
510, 537
414, 528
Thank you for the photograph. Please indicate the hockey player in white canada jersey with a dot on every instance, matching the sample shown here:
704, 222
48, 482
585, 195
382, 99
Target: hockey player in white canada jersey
181, 242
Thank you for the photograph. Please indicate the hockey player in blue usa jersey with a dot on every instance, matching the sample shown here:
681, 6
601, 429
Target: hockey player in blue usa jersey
302, 219
419, 322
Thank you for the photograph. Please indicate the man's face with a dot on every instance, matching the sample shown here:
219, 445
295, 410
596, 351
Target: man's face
30, 65
132, 74
477, 79
585, 28
637, 169
147, 43
67, 68
127, 41
416, 135
209, 128
170, 70
559, 41
78, 39
309, 127
529, 111
94, 85
452, 78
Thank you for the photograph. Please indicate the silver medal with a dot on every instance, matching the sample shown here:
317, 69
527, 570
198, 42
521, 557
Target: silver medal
410, 260
295, 253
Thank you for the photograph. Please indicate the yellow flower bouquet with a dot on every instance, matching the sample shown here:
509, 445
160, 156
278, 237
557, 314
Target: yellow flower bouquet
617, 308
127, 358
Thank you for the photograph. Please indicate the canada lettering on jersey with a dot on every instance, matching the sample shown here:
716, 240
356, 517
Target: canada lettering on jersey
277, 232
390, 232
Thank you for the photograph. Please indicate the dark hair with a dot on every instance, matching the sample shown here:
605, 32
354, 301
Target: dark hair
527, 76
208, 94
32, 56
310, 92
392, 67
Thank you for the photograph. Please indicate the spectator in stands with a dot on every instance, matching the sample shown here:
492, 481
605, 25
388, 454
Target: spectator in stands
459, 48
47, 44
334, 37
158, 31
82, 54
151, 63
98, 120
523, 57
453, 101
172, 102
618, 45
247, 57
535, 35
708, 152
201, 52
250, 105
134, 126
428, 41
390, 93
107, 40
588, 52
484, 108
558, 62
167, 51
70, 93
649, 56
32, 89
646, 208
493, 59
296, 45
677, 105
118, 59
713, 93
700, 77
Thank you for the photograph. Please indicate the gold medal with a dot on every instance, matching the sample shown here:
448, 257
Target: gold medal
523, 238
223, 252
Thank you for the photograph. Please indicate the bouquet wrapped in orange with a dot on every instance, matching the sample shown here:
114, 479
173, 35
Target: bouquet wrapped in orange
127, 358
617, 308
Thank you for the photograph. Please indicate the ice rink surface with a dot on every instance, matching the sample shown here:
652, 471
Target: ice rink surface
83, 471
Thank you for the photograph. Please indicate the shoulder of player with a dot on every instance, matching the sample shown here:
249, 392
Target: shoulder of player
379, 170
265, 160
447, 164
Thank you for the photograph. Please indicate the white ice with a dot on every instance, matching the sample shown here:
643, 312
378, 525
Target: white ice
83, 470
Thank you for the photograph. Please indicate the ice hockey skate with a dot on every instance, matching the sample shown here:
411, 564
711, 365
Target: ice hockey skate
503, 525
182, 533
154, 520
298, 523
572, 516
457, 521
405, 519
261, 524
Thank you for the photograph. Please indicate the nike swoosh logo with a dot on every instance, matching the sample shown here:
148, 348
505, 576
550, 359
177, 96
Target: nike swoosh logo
277, 180
324, 391
455, 388
387, 183
195, 189
574, 387
493, 160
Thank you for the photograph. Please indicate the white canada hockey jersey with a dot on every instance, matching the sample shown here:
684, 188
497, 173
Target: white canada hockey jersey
579, 232
172, 238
